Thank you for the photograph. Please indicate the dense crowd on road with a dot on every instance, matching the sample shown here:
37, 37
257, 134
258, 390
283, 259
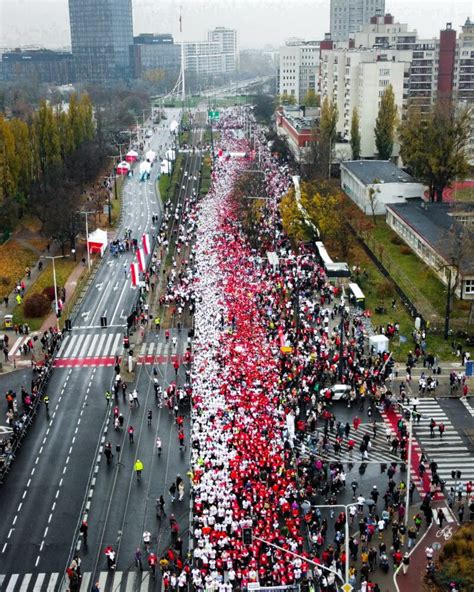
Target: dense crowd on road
258, 414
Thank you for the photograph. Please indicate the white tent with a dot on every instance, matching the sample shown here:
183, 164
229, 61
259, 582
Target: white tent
97, 241
380, 343
165, 167
170, 154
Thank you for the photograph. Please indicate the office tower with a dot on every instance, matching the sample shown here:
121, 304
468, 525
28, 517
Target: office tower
101, 35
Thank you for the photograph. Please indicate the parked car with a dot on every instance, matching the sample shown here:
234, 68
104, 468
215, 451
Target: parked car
339, 391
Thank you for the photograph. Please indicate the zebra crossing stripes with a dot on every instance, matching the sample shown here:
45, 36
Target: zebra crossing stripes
109, 581
449, 452
379, 451
85, 349
162, 352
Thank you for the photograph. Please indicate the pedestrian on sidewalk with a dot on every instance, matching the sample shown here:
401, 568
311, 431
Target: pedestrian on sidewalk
405, 563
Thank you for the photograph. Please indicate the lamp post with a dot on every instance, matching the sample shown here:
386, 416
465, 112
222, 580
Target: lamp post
410, 441
289, 552
86, 213
56, 305
346, 537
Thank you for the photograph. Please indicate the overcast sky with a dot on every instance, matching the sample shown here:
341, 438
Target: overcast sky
258, 22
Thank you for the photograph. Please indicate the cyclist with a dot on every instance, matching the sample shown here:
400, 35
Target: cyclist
138, 468
46, 402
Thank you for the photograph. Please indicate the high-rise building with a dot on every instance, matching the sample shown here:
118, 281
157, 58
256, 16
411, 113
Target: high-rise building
227, 39
154, 52
101, 35
217, 55
347, 16
299, 67
358, 78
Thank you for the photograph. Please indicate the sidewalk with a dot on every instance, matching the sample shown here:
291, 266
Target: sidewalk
414, 578
19, 360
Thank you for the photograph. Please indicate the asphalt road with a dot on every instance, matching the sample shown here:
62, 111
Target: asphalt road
46, 493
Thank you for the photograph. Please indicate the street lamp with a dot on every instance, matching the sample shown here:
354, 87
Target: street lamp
319, 565
346, 538
410, 441
56, 305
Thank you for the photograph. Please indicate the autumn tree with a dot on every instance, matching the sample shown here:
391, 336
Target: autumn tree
433, 145
47, 139
311, 99
355, 135
385, 124
286, 99
324, 139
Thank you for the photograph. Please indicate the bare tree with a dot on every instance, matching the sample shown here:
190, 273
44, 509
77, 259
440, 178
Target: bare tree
372, 197
456, 247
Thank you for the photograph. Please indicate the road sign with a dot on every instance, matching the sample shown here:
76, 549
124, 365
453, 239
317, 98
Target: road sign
213, 114
347, 587
436, 546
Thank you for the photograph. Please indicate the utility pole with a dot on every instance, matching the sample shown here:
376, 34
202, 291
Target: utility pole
86, 213
448, 307
56, 304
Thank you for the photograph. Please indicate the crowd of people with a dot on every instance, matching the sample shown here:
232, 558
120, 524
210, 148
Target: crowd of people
270, 341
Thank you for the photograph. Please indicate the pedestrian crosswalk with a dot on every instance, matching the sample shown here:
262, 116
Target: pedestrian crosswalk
379, 450
87, 345
102, 349
162, 351
449, 452
108, 581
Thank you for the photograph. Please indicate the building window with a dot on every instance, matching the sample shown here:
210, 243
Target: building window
468, 286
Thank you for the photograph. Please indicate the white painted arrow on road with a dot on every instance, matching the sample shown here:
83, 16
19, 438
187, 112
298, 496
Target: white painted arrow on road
116, 287
99, 286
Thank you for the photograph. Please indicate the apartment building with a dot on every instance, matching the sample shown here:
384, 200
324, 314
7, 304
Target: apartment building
227, 39
353, 78
348, 16
217, 55
299, 68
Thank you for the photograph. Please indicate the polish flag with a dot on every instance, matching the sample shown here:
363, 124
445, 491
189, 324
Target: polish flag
134, 273
146, 243
141, 259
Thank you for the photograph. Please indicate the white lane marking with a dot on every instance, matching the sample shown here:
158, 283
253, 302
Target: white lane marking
107, 344
39, 582
90, 353
115, 346
12, 582
85, 346
70, 346
77, 348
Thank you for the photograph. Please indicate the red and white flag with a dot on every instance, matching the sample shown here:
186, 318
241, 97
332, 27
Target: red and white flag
146, 243
134, 273
141, 259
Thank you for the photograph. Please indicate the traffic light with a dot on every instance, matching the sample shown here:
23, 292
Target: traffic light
456, 475
126, 342
103, 322
383, 467
247, 536
68, 325
58, 313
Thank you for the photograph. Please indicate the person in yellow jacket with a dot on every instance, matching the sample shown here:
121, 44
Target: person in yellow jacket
138, 468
